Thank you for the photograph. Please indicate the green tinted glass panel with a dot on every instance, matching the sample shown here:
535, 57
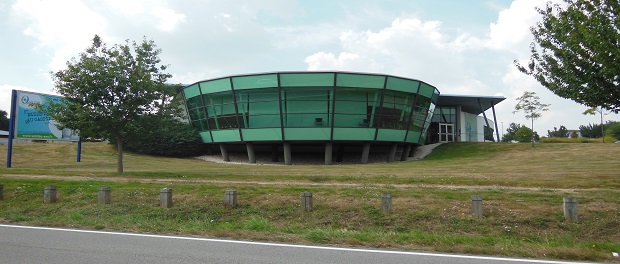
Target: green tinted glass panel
306, 79
191, 91
308, 93
359, 80
215, 86
218, 98
194, 102
414, 137
306, 107
344, 120
315, 133
427, 90
261, 121
373, 97
255, 81
391, 135
206, 137
196, 114
218, 110
350, 107
435, 97
226, 135
307, 120
403, 85
263, 134
354, 134
257, 95
397, 99
259, 108
423, 102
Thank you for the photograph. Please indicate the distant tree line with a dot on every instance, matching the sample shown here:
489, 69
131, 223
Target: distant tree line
521, 133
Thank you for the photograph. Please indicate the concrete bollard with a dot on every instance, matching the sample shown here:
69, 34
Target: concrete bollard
230, 198
1, 191
104, 195
570, 208
306, 201
386, 202
49, 194
165, 197
476, 206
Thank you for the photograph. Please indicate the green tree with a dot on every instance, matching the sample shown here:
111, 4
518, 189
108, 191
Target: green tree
524, 134
529, 103
613, 129
4, 120
591, 131
108, 88
511, 132
575, 52
594, 111
562, 132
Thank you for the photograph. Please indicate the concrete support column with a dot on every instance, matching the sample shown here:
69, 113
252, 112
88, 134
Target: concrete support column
251, 154
224, 152
165, 197
392, 154
570, 208
306, 201
328, 153
412, 151
287, 154
406, 150
49, 194
340, 155
103, 196
230, 198
476, 206
386, 202
274, 153
365, 152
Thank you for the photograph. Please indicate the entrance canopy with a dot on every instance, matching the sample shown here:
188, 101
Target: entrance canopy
470, 104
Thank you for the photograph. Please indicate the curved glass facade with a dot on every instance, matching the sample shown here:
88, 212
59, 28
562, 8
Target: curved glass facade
311, 106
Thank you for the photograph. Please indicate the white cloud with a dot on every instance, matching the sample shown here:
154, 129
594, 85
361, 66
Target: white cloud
408, 47
5, 95
62, 27
168, 17
345, 61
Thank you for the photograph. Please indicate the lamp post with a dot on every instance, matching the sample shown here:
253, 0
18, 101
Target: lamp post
502, 131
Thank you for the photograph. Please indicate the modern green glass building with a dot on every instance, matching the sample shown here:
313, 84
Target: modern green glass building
283, 110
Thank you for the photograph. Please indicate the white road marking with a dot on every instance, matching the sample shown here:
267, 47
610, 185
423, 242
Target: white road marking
293, 246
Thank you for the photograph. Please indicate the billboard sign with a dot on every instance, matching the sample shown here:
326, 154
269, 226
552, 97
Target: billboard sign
32, 124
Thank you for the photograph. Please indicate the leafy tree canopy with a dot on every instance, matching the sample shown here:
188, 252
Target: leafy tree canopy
530, 104
519, 133
4, 120
576, 53
562, 132
524, 134
108, 88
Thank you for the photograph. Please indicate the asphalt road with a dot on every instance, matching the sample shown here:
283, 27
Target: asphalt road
22, 244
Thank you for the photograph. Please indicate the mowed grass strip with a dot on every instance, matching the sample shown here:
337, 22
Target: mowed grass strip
431, 198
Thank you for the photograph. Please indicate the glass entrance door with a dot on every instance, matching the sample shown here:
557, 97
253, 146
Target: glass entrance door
446, 132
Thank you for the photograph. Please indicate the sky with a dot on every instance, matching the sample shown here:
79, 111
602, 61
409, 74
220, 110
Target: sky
460, 47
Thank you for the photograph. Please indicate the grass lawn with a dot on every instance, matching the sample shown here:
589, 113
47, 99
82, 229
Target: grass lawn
522, 187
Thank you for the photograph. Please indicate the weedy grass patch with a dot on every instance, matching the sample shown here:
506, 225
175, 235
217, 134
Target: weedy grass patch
522, 189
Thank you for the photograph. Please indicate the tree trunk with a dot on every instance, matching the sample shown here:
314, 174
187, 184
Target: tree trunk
119, 152
602, 127
532, 132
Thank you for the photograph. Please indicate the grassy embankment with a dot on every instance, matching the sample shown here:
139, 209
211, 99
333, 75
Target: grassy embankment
522, 187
